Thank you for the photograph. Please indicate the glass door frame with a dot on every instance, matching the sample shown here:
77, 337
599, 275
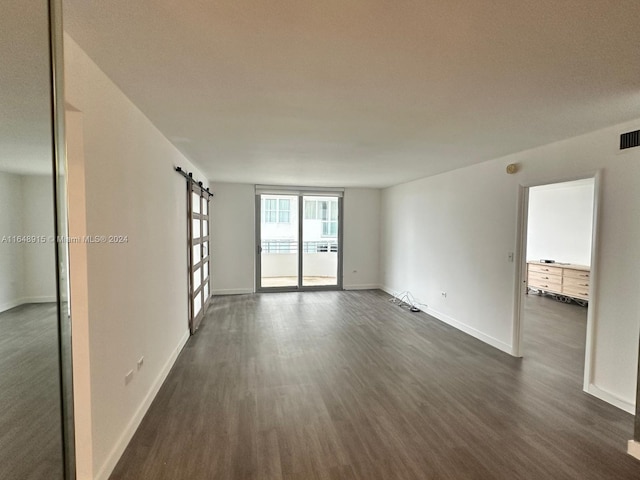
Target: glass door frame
201, 244
300, 193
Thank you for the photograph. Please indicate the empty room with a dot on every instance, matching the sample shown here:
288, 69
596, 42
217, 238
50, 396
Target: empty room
336, 240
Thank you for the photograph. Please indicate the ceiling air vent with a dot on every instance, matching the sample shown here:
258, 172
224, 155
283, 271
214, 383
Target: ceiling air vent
630, 139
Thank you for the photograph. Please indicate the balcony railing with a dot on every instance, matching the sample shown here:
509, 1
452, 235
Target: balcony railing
291, 246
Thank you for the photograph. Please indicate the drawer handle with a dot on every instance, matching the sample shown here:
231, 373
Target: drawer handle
583, 293
545, 278
544, 285
583, 284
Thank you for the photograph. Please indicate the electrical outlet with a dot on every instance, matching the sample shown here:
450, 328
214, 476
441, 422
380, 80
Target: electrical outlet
128, 377
140, 362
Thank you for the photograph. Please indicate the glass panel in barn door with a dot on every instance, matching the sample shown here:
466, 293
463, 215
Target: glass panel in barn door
195, 202
199, 216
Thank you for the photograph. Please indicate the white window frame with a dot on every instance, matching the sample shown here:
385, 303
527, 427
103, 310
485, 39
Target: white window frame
277, 212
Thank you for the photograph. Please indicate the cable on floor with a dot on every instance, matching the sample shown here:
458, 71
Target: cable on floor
406, 299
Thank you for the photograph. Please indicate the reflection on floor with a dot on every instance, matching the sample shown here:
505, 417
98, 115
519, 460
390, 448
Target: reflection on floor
346, 385
30, 438
293, 281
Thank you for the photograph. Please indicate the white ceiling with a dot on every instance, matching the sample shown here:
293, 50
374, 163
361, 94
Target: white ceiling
364, 92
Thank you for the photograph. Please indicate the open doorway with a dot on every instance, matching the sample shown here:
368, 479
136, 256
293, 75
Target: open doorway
558, 259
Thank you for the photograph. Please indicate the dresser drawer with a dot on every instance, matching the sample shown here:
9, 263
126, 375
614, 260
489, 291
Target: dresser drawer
545, 277
576, 291
544, 281
576, 282
574, 273
545, 269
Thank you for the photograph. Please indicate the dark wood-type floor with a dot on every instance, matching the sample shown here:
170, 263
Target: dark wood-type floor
346, 385
30, 424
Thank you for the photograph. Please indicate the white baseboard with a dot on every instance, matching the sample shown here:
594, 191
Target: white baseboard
233, 291
11, 304
362, 287
461, 326
388, 290
505, 347
120, 446
22, 301
611, 398
43, 299
633, 449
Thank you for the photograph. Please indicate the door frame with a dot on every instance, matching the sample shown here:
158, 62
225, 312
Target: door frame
194, 264
258, 241
521, 268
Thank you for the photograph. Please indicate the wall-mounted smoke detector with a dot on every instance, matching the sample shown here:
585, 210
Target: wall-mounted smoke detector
512, 168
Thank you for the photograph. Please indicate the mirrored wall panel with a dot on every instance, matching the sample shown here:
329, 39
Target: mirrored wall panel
31, 433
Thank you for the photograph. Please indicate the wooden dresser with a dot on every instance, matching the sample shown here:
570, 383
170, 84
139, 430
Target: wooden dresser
562, 279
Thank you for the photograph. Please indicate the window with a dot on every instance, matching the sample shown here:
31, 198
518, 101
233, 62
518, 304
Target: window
325, 211
277, 210
311, 210
284, 211
270, 210
329, 217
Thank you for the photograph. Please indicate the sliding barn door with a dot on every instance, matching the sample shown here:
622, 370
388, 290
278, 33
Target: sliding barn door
199, 259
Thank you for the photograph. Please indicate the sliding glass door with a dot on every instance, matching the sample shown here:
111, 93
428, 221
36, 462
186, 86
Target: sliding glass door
298, 240
279, 241
320, 241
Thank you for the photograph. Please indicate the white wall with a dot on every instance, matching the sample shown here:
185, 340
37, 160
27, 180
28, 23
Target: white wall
453, 233
233, 238
27, 270
39, 258
279, 265
286, 264
560, 222
11, 261
361, 255
136, 292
